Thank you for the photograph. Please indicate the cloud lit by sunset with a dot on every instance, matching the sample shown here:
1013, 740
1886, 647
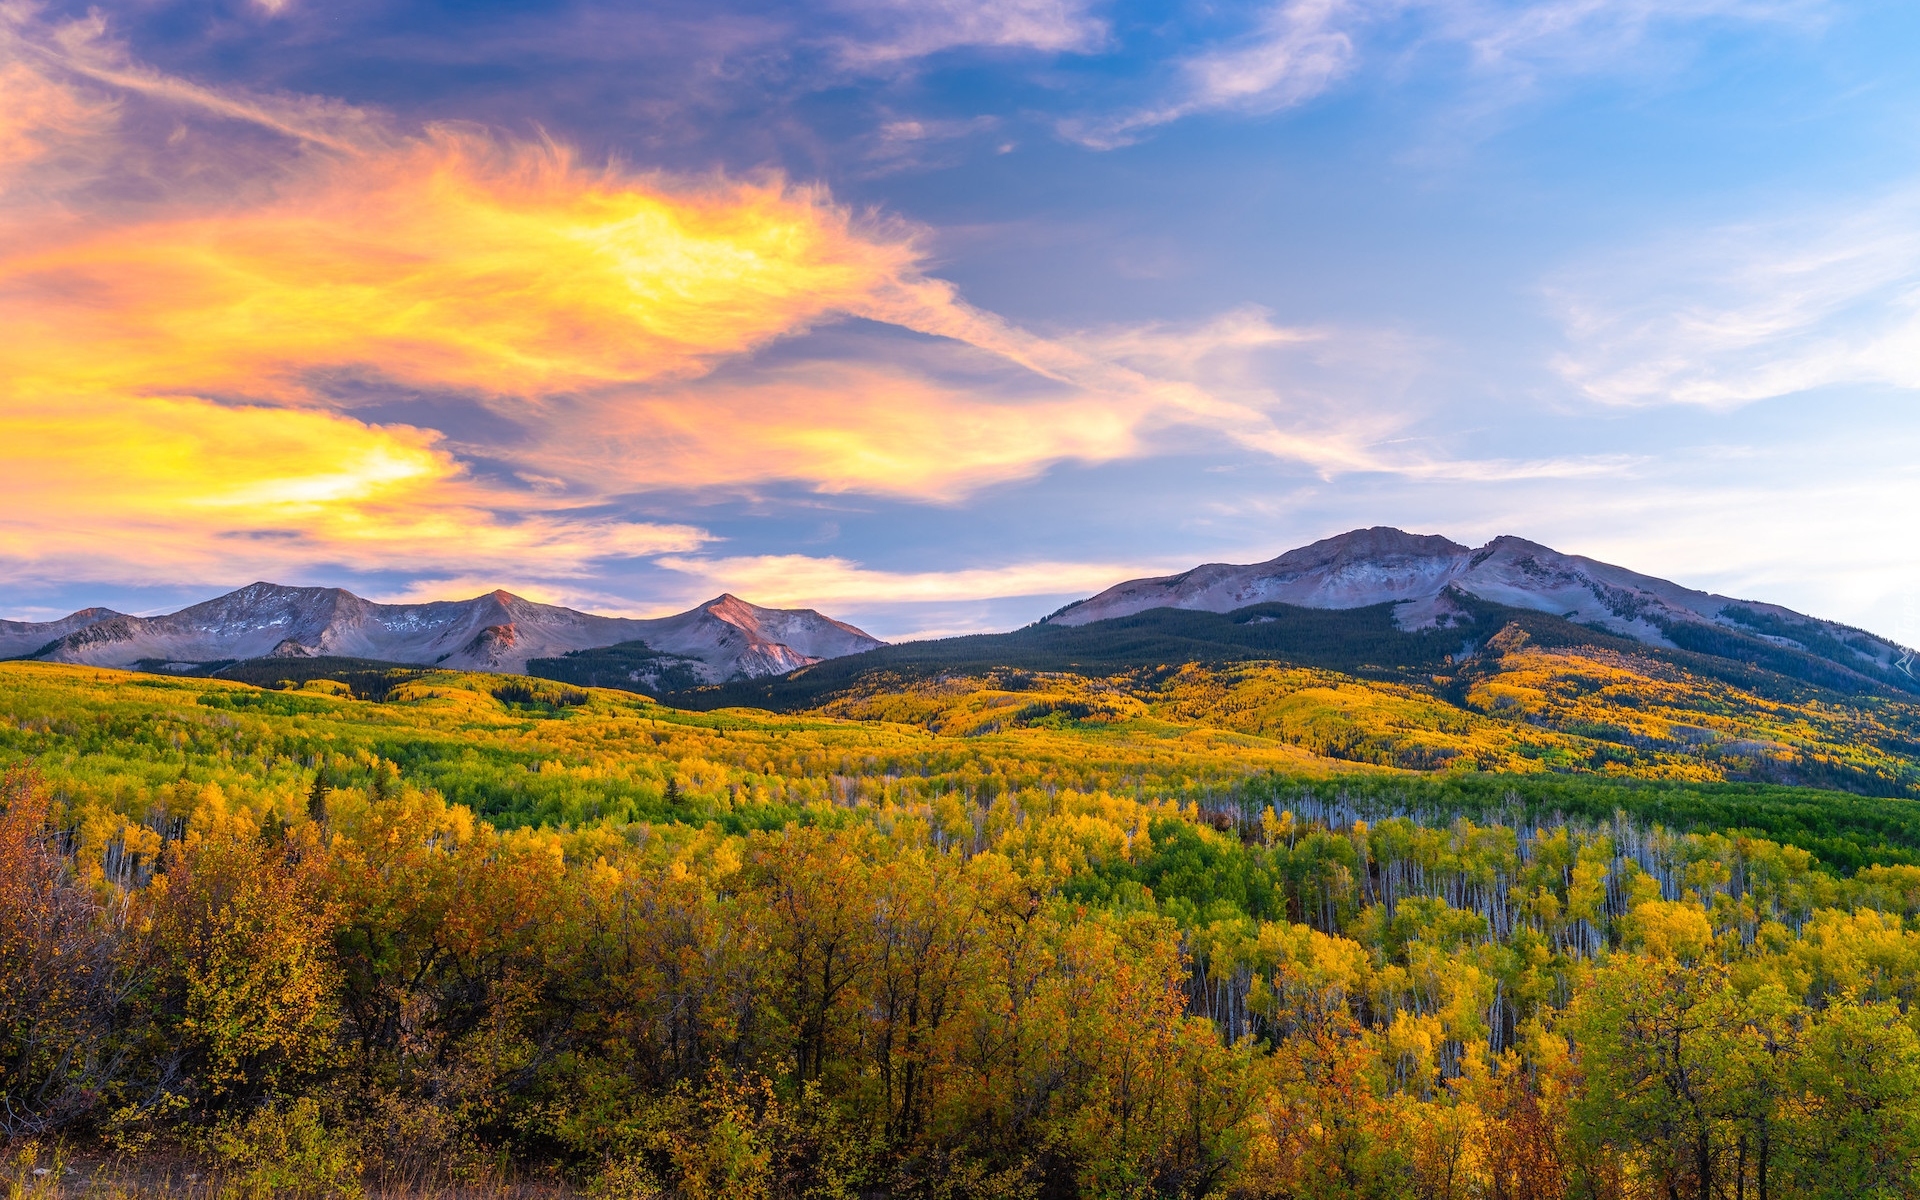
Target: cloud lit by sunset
149, 487
183, 353
449, 261
966, 294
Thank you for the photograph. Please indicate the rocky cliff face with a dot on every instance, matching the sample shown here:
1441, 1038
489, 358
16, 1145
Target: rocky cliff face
495, 632
1423, 577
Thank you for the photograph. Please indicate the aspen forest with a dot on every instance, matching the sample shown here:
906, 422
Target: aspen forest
479, 931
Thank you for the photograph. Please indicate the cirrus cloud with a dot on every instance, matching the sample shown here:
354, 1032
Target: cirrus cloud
1289, 52
1724, 317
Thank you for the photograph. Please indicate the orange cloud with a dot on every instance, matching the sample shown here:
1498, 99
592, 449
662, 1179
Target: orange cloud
590, 301
175, 304
838, 427
451, 261
166, 488
38, 117
447, 259
456, 260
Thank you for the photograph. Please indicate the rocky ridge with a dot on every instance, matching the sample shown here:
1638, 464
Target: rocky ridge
727, 637
19, 639
1425, 576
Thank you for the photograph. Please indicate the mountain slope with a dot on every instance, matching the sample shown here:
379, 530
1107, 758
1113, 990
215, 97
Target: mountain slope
676, 651
1365, 642
764, 641
1352, 640
1543, 694
725, 638
19, 639
1425, 578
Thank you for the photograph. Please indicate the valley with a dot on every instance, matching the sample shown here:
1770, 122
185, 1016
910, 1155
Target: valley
1173, 902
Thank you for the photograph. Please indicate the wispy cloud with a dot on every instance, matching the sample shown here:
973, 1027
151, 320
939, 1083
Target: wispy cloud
1727, 316
838, 427
1290, 52
1530, 37
451, 259
1296, 50
82, 49
40, 118
893, 31
1328, 397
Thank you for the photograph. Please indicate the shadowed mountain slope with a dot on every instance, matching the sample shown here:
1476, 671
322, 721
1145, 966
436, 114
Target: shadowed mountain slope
1543, 694
1364, 642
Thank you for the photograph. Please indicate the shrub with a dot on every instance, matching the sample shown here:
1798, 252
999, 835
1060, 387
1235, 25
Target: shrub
288, 1152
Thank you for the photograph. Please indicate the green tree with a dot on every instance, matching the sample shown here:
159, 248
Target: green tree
1659, 1046
1854, 1126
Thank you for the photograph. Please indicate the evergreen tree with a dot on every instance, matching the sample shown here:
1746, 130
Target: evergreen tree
317, 796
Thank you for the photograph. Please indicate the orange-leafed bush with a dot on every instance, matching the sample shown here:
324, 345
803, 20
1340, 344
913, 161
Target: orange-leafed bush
58, 972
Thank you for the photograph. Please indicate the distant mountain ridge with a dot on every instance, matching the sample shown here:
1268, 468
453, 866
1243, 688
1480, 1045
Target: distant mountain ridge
1386, 606
725, 638
1422, 576
1433, 601
21, 638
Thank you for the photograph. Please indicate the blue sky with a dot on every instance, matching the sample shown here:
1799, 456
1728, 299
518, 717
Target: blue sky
1138, 286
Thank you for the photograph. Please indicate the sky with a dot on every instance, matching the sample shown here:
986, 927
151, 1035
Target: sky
937, 314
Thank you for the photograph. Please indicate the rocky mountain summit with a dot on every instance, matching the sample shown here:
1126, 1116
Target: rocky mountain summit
737, 640
725, 638
1425, 578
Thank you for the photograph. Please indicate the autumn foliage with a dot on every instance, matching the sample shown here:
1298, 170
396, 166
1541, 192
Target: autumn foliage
927, 985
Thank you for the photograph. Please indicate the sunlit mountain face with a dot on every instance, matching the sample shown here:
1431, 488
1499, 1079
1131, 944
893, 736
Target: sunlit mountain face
937, 317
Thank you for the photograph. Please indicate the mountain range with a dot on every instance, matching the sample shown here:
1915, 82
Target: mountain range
1383, 596
725, 638
1378, 603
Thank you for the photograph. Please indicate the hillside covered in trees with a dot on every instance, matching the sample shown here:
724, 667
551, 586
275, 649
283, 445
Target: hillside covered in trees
1234, 930
1512, 691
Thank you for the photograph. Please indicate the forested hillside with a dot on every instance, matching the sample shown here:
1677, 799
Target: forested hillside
1511, 691
1040, 939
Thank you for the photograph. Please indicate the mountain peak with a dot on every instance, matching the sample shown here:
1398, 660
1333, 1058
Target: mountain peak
1384, 539
1348, 570
1421, 574
495, 631
1380, 543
